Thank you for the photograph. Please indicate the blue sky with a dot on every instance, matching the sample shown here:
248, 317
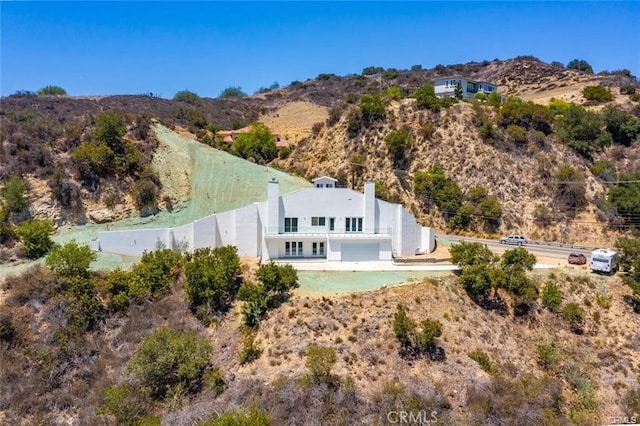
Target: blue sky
92, 48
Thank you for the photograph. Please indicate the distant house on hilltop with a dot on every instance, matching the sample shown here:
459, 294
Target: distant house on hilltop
445, 87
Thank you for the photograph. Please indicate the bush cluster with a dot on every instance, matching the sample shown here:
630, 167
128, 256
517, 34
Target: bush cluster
417, 338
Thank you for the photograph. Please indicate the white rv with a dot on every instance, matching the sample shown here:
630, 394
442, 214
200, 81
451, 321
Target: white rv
604, 260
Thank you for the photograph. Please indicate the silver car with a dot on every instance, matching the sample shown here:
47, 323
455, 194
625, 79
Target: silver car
514, 239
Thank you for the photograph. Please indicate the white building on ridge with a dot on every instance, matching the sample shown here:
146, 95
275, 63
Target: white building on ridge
445, 87
323, 222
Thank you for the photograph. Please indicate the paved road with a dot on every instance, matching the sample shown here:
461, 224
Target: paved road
541, 248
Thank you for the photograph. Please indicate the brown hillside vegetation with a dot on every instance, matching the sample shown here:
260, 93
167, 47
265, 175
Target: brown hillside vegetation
494, 366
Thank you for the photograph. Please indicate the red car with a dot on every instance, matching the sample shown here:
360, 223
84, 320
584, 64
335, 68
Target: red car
577, 259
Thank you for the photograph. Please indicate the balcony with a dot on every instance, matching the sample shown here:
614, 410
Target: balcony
323, 231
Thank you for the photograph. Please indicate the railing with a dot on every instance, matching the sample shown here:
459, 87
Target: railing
323, 230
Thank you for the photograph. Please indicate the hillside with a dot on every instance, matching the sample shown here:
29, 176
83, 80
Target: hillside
314, 116
182, 338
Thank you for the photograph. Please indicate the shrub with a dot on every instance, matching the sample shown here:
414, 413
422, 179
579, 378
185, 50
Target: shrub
249, 351
623, 127
92, 160
171, 361
277, 279
110, 129
428, 331
394, 92
558, 106
36, 237
126, 403
551, 297
517, 134
188, 97
211, 278
51, 91
597, 93
426, 98
372, 108
625, 197
547, 355
14, 195
372, 70
482, 359
627, 89
575, 315
570, 187
145, 196
403, 326
604, 169
525, 114
70, 260
255, 417
258, 144
398, 142
82, 309
232, 92
320, 360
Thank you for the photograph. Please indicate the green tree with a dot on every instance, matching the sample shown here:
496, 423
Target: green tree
36, 237
623, 127
466, 254
188, 97
14, 195
426, 98
457, 92
580, 65
403, 326
551, 297
583, 131
527, 115
232, 92
211, 278
171, 361
155, 272
278, 279
428, 331
372, 108
70, 260
320, 360
51, 91
597, 93
625, 197
110, 129
398, 142
258, 144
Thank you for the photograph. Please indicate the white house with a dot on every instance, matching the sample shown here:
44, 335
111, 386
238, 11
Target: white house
445, 87
323, 222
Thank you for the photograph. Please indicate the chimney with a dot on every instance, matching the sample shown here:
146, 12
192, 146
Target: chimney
369, 207
273, 206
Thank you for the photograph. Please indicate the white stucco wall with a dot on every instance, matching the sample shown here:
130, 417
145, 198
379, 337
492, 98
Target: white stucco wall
337, 202
428, 240
183, 236
248, 230
134, 242
205, 232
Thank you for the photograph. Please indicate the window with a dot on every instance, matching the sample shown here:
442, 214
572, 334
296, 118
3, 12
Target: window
293, 248
353, 224
332, 224
317, 249
329, 185
290, 224
318, 185
318, 221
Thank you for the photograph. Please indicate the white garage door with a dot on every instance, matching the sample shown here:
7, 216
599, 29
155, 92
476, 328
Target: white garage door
352, 252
